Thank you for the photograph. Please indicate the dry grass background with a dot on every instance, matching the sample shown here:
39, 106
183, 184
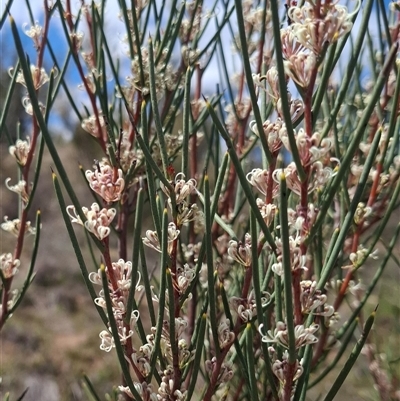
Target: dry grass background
53, 337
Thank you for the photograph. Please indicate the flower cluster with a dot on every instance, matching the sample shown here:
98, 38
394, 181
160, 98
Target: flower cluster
144, 390
35, 32
313, 27
258, 178
91, 125
39, 76
273, 132
246, 309
303, 335
241, 252
119, 282
98, 220
14, 226
297, 259
166, 390
8, 265
312, 300
152, 241
21, 151
186, 211
19, 189
225, 335
319, 176
280, 369
107, 181
225, 372
184, 276
126, 154
165, 76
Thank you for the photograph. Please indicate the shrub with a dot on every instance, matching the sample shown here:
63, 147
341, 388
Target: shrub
260, 200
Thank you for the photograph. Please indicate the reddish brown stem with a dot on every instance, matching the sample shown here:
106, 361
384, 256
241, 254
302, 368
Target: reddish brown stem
25, 173
270, 181
108, 263
92, 98
289, 374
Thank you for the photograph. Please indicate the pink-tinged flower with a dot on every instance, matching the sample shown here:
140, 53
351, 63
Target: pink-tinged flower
184, 276
186, 213
19, 189
26, 102
280, 369
267, 210
8, 265
182, 188
90, 125
300, 66
225, 336
246, 308
297, 259
296, 108
241, 252
151, 240
107, 341
312, 299
107, 181
303, 335
97, 222
272, 133
14, 226
20, 150
145, 391
122, 272
290, 45
272, 78
39, 76
334, 22
319, 176
258, 178
226, 372
34, 32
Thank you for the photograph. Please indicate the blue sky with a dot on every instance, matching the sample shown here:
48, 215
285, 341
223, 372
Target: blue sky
115, 28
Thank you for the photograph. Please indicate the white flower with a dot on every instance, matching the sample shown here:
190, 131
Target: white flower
14, 226
19, 189
107, 341
21, 150
241, 252
97, 222
39, 76
303, 336
151, 240
8, 265
225, 335
91, 125
26, 102
258, 178
107, 181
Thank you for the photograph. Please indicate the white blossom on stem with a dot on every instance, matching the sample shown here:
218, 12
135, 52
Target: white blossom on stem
21, 150
98, 220
107, 181
8, 265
